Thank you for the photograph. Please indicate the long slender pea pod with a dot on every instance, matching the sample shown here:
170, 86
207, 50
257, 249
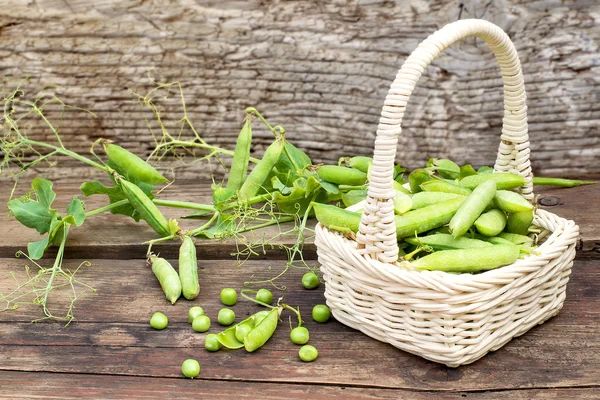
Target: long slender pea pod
511, 202
504, 181
402, 203
491, 223
227, 337
424, 199
132, 165
469, 260
416, 221
444, 241
188, 269
360, 163
472, 207
416, 178
241, 157
517, 239
444, 187
261, 171
167, 277
341, 175
145, 207
541, 181
519, 223
262, 332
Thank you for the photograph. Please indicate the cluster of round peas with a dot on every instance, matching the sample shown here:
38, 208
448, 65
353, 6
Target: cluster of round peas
226, 317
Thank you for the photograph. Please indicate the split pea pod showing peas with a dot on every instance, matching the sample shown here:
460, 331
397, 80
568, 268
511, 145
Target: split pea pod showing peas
261, 170
241, 157
491, 223
469, 260
132, 165
145, 207
341, 175
416, 221
167, 277
188, 269
504, 181
472, 208
262, 332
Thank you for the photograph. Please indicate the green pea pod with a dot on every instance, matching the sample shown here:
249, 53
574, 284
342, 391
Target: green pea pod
261, 170
504, 181
511, 202
416, 221
444, 187
491, 223
472, 208
424, 199
496, 240
353, 197
519, 223
416, 178
517, 239
188, 269
227, 337
469, 260
262, 332
402, 203
399, 187
560, 182
342, 175
241, 157
145, 207
360, 163
443, 241
133, 166
167, 277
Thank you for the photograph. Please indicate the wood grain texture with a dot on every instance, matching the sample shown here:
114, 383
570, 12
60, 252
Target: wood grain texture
321, 69
74, 386
113, 338
119, 237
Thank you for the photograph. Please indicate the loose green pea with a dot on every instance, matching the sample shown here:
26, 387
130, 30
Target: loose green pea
308, 353
226, 316
211, 343
190, 368
264, 296
299, 335
159, 321
201, 323
194, 312
228, 297
321, 313
310, 280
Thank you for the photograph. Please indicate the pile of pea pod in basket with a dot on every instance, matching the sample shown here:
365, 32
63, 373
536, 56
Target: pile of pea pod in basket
458, 262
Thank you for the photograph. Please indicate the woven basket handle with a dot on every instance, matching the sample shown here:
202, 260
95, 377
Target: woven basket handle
377, 232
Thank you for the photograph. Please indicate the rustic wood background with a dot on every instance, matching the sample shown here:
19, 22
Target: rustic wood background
320, 68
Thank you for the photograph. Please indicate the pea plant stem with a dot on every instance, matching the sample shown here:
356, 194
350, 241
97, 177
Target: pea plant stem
72, 154
196, 231
106, 208
55, 269
184, 204
277, 129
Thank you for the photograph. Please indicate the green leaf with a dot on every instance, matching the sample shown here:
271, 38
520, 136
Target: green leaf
277, 184
76, 212
57, 231
224, 227
32, 214
43, 191
37, 249
485, 170
292, 159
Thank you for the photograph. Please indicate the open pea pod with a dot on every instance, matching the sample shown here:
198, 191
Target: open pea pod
227, 337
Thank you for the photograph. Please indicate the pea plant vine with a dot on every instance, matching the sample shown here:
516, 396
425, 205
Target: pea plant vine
282, 191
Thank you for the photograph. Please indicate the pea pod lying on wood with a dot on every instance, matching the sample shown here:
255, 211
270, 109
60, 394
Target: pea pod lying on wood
188, 269
228, 339
167, 277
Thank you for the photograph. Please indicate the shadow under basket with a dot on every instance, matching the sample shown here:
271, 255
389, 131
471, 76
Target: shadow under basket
453, 319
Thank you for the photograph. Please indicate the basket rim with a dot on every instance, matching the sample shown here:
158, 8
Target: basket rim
519, 268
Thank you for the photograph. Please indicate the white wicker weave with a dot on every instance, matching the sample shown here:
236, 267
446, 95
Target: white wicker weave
452, 319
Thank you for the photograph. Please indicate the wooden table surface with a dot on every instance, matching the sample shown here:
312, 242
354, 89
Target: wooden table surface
111, 351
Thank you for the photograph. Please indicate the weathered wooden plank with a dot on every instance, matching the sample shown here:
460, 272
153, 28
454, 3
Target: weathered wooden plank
321, 70
76, 386
114, 333
109, 236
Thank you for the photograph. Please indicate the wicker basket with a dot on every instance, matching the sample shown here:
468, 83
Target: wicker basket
453, 319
